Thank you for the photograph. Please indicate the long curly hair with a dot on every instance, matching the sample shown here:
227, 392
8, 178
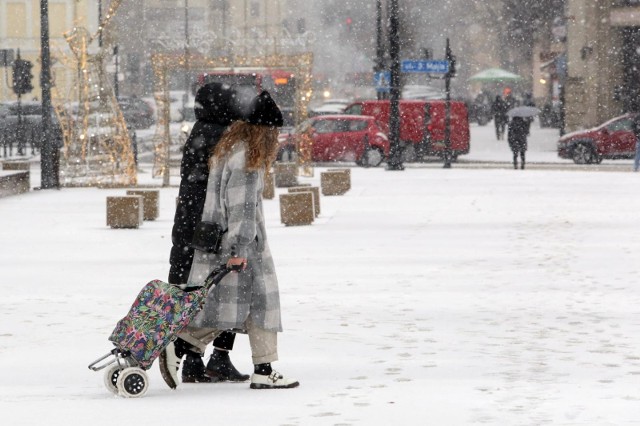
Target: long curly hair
262, 144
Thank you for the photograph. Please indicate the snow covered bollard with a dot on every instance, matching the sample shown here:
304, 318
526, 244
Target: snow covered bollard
297, 208
125, 211
286, 174
316, 196
151, 202
335, 181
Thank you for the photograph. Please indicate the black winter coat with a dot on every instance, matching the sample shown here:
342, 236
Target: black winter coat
214, 112
518, 132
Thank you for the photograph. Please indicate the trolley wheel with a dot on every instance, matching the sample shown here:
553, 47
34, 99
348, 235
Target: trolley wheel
132, 382
111, 378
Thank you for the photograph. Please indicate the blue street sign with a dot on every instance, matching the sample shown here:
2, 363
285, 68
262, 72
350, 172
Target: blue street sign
382, 81
425, 66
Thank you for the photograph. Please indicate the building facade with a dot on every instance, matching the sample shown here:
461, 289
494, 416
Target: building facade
20, 29
603, 61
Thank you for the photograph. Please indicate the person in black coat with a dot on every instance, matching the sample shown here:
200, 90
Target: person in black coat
518, 132
499, 109
215, 109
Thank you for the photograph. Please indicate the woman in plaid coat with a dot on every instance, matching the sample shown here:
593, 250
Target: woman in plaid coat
247, 301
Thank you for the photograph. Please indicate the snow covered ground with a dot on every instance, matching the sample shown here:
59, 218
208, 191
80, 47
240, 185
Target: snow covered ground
422, 297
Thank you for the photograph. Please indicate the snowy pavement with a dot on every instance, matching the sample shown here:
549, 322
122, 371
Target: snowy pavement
423, 297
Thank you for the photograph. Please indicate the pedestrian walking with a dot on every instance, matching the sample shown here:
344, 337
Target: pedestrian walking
214, 111
247, 301
500, 119
509, 99
517, 138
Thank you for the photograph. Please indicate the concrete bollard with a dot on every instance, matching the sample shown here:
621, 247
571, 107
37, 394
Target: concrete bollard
16, 165
335, 182
343, 170
125, 211
269, 190
13, 183
297, 208
286, 174
151, 199
316, 195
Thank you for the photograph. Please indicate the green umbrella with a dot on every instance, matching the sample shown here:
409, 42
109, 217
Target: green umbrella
495, 75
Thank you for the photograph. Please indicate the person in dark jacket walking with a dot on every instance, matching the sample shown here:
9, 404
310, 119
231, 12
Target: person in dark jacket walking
215, 110
500, 119
248, 300
518, 132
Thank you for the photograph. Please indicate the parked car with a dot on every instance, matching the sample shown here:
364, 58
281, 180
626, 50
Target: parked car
137, 113
330, 106
338, 138
422, 125
611, 140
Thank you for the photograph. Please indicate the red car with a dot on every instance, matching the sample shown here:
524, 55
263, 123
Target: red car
338, 137
611, 140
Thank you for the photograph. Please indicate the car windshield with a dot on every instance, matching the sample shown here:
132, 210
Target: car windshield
624, 124
332, 126
357, 125
354, 109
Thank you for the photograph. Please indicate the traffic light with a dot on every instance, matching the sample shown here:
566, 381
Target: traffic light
349, 21
22, 76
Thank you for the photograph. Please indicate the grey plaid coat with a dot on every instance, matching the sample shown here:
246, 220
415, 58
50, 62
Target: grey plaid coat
234, 200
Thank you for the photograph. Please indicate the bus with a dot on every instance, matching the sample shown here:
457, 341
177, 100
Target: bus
281, 84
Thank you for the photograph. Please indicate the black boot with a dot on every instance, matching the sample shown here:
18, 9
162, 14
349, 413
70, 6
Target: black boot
193, 369
220, 368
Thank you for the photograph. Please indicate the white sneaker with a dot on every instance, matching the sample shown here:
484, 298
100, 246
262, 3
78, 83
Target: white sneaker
274, 380
169, 363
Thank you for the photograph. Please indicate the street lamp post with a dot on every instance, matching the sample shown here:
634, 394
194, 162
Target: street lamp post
187, 80
99, 23
49, 160
379, 44
447, 122
395, 155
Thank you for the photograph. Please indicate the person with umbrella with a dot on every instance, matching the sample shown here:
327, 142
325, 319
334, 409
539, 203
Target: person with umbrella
519, 131
517, 138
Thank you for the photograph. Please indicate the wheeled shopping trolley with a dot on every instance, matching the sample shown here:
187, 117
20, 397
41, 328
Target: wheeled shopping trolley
159, 312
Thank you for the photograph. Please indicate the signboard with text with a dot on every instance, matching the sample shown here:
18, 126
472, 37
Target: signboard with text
425, 66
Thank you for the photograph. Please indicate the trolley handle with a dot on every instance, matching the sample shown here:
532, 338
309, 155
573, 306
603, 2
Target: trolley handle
219, 273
